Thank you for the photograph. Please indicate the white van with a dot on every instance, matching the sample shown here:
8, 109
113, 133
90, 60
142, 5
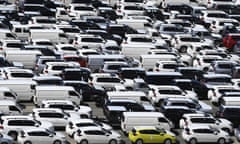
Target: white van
138, 96
53, 35
10, 107
26, 57
148, 61
21, 31
7, 94
133, 50
23, 88
56, 93
132, 119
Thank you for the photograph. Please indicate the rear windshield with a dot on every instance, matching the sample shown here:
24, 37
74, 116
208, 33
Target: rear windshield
109, 80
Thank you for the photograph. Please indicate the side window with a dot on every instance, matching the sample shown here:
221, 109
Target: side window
8, 94
18, 30
14, 108
93, 132
161, 119
73, 93
51, 115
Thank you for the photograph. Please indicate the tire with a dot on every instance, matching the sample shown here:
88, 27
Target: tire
57, 142
167, 141
193, 141
221, 141
13, 135
183, 49
113, 141
139, 141
84, 142
27, 142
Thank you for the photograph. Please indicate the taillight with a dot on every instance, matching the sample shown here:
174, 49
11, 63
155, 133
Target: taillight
154, 93
209, 2
199, 63
1, 48
1, 127
46, 71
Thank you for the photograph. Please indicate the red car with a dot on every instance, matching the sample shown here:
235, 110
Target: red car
231, 39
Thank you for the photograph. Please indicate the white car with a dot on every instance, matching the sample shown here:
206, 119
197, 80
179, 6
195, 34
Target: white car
204, 61
13, 124
66, 49
204, 134
96, 135
40, 136
56, 116
55, 68
217, 92
18, 73
158, 93
68, 107
105, 80
201, 119
74, 125
129, 10
5, 139
77, 10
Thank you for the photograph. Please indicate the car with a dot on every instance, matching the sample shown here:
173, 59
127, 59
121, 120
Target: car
129, 104
230, 40
55, 116
13, 124
188, 102
148, 134
216, 92
12, 73
74, 125
230, 113
96, 135
206, 119
223, 67
68, 107
205, 134
105, 80
175, 113
158, 93
40, 135
55, 68
6, 139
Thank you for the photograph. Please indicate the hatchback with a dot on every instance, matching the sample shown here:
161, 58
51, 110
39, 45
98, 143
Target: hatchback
142, 135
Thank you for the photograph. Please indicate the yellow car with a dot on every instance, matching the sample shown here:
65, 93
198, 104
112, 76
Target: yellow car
142, 135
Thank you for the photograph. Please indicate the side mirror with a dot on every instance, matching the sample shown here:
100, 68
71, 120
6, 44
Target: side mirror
50, 135
215, 132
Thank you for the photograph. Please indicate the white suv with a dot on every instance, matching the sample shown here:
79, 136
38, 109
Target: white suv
205, 119
199, 134
74, 125
53, 115
40, 135
96, 135
11, 125
68, 107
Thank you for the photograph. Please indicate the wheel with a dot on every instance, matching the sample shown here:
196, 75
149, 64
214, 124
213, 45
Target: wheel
221, 141
139, 141
84, 142
193, 141
57, 142
112, 141
167, 141
183, 49
27, 142
13, 135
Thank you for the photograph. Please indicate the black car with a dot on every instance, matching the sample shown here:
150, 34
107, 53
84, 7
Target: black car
87, 91
231, 113
76, 74
175, 113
